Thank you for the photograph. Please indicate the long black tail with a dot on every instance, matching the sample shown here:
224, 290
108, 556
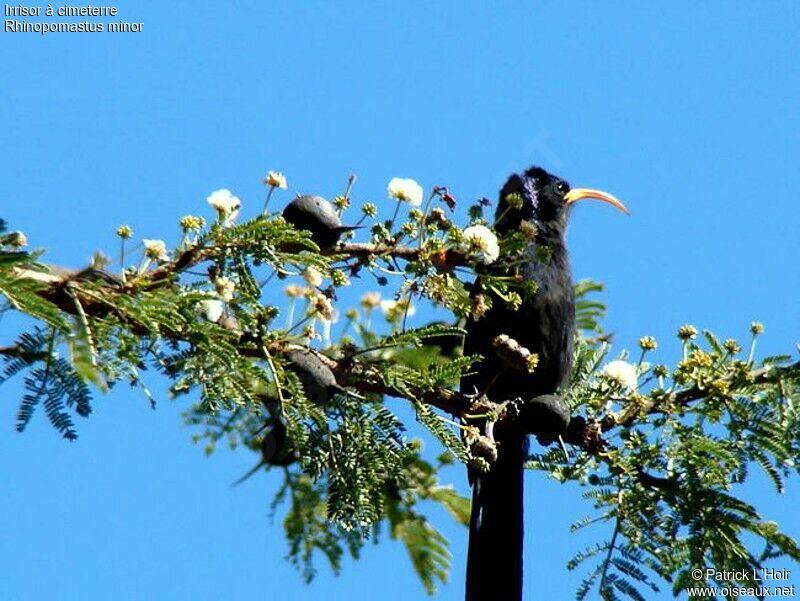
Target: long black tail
494, 561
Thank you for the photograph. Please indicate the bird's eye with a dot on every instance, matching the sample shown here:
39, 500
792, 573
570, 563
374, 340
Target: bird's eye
561, 187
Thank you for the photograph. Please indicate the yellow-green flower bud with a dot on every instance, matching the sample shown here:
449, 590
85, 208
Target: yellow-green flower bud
475, 212
529, 288
720, 387
731, 346
415, 215
379, 232
269, 312
513, 300
124, 231
191, 223
648, 343
702, 358
409, 229
528, 229
661, 371
341, 202
515, 200
339, 278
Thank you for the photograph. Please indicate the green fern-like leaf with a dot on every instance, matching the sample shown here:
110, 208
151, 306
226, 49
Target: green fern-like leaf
23, 295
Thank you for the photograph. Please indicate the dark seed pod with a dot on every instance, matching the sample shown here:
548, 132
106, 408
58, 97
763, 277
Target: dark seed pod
318, 381
546, 415
318, 216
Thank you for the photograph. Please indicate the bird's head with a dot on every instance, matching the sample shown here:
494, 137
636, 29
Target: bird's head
543, 199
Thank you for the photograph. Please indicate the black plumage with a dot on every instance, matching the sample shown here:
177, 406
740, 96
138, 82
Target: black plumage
545, 325
545, 322
318, 216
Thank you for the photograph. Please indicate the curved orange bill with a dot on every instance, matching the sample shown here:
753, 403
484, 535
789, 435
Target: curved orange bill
577, 194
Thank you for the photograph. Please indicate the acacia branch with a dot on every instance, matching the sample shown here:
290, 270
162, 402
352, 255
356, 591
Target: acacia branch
98, 303
588, 435
669, 401
443, 259
191, 257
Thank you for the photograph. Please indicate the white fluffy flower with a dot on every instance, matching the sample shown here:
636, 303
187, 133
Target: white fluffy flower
622, 372
225, 204
406, 190
321, 307
312, 276
225, 287
294, 291
481, 239
395, 309
275, 179
212, 309
155, 249
370, 300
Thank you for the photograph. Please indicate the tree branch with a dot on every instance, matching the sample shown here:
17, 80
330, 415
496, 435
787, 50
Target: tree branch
588, 435
667, 402
362, 377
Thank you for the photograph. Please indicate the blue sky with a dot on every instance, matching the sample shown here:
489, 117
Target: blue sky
687, 112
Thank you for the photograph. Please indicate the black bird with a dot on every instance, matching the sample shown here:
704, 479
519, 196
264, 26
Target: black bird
318, 216
544, 324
